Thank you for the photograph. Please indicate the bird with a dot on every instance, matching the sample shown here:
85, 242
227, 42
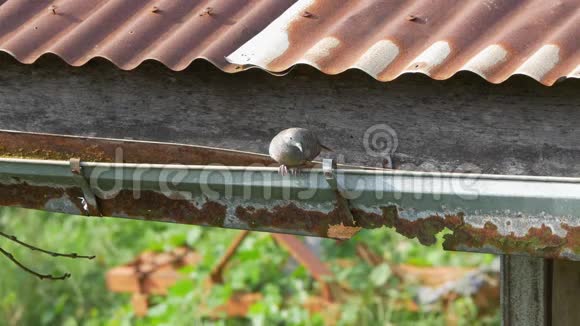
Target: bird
293, 148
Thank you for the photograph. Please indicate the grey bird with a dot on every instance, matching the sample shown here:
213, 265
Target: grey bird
293, 148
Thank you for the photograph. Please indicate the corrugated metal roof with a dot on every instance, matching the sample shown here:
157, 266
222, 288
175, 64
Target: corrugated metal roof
495, 39
174, 32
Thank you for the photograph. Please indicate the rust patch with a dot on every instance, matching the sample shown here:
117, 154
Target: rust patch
424, 229
228, 26
340, 231
153, 205
292, 217
59, 147
33, 151
30, 196
372, 221
538, 241
572, 237
413, 26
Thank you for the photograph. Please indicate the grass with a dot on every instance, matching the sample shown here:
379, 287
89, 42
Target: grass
84, 300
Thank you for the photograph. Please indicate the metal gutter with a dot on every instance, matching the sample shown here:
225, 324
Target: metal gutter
537, 216
27, 145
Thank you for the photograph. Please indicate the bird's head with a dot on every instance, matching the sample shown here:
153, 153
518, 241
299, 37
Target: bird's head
292, 141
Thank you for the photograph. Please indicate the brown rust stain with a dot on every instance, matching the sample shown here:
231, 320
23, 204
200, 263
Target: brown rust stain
226, 26
341, 231
23, 194
28, 196
60, 147
520, 27
572, 237
33, 151
292, 217
424, 229
153, 205
469, 29
538, 241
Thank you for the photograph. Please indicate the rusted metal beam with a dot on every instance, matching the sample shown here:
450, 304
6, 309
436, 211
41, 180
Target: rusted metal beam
26, 145
484, 213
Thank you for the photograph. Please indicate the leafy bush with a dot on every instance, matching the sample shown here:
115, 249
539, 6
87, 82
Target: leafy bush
259, 266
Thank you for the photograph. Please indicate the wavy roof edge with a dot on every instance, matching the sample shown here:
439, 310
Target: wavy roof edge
385, 39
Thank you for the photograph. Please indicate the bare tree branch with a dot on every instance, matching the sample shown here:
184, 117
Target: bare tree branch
31, 247
28, 270
52, 253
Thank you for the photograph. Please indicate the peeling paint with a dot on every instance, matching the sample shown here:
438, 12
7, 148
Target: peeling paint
276, 36
342, 231
575, 73
153, 205
431, 58
491, 38
378, 57
532, 239
487, 60
541, 62
512, 214
65, 204
24, 194
320, 50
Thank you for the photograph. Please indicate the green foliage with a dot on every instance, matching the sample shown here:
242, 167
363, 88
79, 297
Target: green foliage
259, 266
380, 274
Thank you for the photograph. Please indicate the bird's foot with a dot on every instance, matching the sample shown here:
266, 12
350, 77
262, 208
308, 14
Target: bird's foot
283, 170
296, 171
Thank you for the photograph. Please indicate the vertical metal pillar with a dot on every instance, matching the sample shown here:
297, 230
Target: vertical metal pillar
525, 291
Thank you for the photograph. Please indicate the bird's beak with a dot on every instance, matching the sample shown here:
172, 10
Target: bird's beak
299, 145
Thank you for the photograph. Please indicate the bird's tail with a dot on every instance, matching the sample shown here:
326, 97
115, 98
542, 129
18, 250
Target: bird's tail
328, 149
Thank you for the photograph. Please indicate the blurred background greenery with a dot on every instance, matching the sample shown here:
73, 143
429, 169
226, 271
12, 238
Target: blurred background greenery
375, 295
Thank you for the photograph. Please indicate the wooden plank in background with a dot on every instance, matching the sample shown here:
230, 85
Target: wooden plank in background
566, 293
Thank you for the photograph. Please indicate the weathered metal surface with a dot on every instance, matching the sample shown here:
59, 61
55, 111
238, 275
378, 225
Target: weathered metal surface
14, 144
174, 32
525, 291
483, 213
494, 39
518, 127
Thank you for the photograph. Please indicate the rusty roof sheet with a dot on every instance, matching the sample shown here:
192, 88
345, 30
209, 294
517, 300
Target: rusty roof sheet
492, 38
174, 32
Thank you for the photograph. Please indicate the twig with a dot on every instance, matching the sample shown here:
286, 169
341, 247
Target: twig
28, 270
52, 253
